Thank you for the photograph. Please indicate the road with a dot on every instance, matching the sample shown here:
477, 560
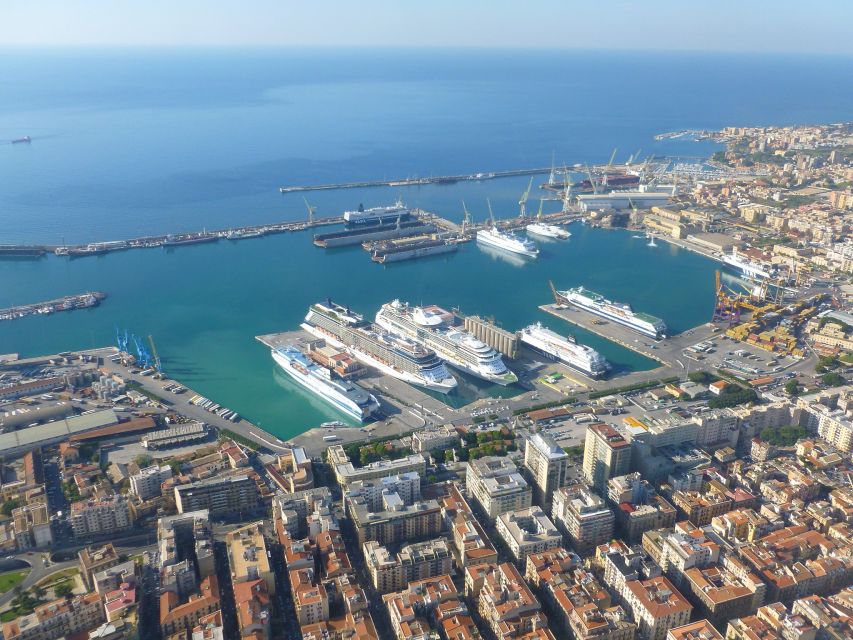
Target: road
181, 402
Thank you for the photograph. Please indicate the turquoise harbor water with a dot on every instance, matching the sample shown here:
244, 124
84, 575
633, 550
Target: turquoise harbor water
127, 143
205, 303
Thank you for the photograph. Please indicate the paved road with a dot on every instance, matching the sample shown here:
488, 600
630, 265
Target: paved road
181, 403
38, 571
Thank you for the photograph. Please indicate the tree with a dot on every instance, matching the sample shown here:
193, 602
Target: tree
792, 387
143, 460
38, 592
8, 506
63, 590
448, 455
832, 379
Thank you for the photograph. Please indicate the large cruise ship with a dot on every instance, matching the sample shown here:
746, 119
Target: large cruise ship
746, 267
508, 241
620, 312
566, 350
434, 328
342, 394
391, 353
377, 215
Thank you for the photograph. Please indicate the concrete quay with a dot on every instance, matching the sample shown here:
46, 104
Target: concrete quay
180, 403
668, 352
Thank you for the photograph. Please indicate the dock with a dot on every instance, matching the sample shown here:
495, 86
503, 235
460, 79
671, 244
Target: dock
66, 303
372, 233
411, 182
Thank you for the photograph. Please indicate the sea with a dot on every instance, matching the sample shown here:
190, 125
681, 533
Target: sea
130, 142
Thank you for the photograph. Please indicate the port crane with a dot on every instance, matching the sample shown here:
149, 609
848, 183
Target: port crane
121, 340
522, 203
592, 180
491, 215
311, 210
155, 354
610, 162
466, 220
568, 190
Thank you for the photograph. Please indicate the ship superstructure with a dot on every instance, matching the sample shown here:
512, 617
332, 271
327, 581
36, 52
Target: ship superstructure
344, 395
620, 312
564, 349
377, 215
436, 329
375, 346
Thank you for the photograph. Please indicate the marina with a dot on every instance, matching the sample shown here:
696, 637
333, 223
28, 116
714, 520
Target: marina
66, 303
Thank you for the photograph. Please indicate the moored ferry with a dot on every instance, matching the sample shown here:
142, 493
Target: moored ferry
620, 312
377, 215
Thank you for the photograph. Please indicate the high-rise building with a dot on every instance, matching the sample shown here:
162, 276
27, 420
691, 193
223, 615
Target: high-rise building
606, 454
247, 555
583, 515
547, 464
497, 486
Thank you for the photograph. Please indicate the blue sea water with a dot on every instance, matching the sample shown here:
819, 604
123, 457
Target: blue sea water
132, 142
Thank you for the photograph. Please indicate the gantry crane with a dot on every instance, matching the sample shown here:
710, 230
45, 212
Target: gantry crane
311, 210
522, 203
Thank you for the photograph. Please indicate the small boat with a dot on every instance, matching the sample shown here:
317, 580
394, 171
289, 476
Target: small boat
21, 140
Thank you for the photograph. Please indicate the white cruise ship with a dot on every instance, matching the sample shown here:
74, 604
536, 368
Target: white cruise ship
566, 350
746, 267
508, 241
342, 394
376, 215
434, 328
391, 353
547, 230
620, 312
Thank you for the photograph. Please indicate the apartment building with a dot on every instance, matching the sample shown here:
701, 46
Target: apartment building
57, 619
397, 521
505, 602
497, 486
606, 454
146, 484
547, 465
528, 531
248, 556
414, 562
656, 606
583, 516
100, 517
228, 494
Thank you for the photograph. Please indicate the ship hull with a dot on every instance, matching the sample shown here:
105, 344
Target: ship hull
554, 355
334, 398
450, 359
487, 240
651, 333
444, 386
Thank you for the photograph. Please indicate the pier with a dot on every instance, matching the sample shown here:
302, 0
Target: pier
411, 182
66, 303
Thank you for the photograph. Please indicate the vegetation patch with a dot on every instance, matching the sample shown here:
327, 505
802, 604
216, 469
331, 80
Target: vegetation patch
12, 579
783, 436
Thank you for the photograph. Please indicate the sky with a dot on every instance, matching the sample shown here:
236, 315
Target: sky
816, 26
